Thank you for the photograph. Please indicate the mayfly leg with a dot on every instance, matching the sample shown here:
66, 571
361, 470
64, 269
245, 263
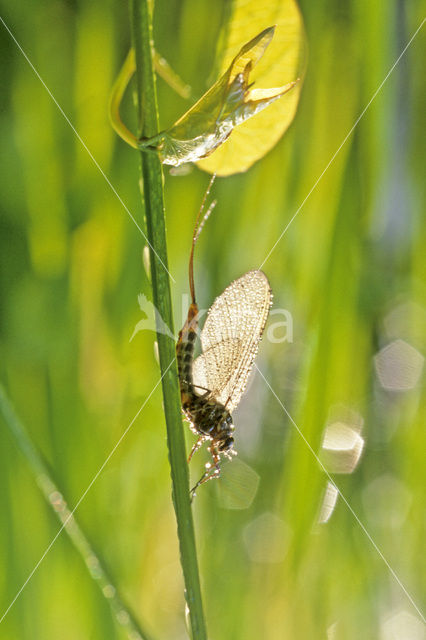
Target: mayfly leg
212, 472
197, 444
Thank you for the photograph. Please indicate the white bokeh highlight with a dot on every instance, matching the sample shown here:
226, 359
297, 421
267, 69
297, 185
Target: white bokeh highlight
340, 452
402, 626
407, 321
386, 501
238, 485
329, 502
398, 366
267, 538
341, 448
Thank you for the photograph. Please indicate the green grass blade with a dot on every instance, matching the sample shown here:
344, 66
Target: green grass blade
66, 517
152, 179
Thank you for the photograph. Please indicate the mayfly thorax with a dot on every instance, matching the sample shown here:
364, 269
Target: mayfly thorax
212, 385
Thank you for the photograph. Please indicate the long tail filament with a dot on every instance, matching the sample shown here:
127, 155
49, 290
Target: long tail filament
198, 227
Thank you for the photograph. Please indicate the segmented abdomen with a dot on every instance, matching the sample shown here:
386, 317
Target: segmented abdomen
185, 355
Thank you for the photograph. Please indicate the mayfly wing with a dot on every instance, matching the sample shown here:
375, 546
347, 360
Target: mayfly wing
231, 335
213, 368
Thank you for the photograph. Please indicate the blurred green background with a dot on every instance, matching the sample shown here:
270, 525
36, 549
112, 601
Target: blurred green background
350, 270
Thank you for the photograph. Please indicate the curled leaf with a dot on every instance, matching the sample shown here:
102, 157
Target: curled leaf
227, 104
163, 69
286, 60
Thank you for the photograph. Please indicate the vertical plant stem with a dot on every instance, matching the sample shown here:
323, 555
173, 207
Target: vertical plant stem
66, 517
152, 179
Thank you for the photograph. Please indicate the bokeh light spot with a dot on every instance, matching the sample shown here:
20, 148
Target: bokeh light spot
267, 538
398, 366
238, 485
402, 626
342, 447
386, 501
328, 503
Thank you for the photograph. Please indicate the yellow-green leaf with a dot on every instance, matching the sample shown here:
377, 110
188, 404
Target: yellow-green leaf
284, 62
227, 104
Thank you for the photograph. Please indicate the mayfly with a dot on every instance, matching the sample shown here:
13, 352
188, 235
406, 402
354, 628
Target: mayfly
210, 121
212, 385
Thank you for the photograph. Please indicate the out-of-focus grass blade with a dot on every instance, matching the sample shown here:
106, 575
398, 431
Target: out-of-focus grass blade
66, 517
